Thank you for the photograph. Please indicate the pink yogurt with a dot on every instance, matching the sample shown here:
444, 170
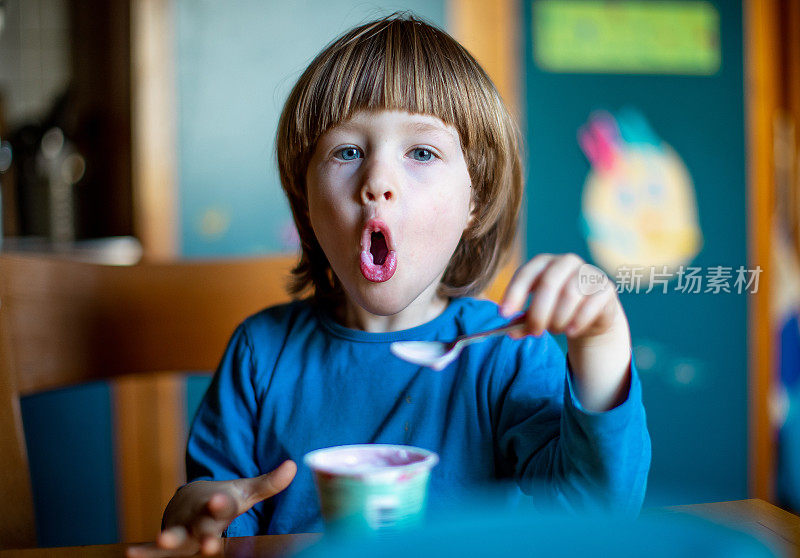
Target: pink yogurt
367, 459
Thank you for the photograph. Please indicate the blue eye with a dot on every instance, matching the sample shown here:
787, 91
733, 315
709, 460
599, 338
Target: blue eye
349, 153
424, 154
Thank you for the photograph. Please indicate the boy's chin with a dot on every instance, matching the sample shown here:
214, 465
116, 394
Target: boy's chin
388, 301
383, 301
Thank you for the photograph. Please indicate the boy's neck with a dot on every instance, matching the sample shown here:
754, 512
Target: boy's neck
415, 314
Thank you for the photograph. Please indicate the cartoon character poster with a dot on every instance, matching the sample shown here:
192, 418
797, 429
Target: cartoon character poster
638, 203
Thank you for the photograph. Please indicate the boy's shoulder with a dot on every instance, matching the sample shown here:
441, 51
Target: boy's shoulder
477, 312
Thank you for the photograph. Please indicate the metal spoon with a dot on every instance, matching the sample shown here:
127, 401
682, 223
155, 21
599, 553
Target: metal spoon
438, 354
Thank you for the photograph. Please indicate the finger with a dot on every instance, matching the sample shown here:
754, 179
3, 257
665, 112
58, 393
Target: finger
588, 313
221, 506
547, 291
171, 542
207, 526
566, 305
265, 486
520, 285
210, 545
172, 538
176, 541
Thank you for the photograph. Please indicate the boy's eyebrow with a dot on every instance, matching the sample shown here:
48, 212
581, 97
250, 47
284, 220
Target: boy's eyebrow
427, 127
422, 127
415, 127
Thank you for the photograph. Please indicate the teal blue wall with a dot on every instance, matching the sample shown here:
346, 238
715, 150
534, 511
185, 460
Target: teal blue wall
699, 429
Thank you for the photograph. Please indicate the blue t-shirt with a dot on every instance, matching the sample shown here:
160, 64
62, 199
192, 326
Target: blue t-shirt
293, 380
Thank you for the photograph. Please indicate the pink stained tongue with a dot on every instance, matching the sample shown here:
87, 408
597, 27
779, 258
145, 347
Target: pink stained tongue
378, 263
378, 273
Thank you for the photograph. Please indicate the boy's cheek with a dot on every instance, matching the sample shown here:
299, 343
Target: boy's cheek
326, 209
447, 217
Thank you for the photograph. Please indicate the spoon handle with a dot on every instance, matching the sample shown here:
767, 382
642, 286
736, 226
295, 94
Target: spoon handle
516, 323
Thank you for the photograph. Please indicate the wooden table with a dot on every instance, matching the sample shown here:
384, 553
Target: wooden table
265, 546
776, 527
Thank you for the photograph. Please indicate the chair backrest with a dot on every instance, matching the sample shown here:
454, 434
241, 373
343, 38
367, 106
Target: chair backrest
64, 322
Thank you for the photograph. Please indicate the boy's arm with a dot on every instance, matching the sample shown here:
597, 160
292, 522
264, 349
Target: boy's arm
222, 438
600, 451
566, 456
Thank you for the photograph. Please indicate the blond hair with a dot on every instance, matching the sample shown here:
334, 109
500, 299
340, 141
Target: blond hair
401, 62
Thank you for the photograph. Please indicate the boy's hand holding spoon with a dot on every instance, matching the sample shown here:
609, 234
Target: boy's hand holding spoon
572, 297
567, 296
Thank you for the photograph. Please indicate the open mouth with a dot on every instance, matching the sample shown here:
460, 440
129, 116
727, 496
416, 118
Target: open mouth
378, 259
378, 248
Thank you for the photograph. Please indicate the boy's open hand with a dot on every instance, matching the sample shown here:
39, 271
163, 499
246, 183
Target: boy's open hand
572, 297
200, 511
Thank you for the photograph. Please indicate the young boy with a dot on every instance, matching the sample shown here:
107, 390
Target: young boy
403, 172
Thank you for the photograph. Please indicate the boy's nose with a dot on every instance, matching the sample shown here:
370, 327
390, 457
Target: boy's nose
377, 186
372, 192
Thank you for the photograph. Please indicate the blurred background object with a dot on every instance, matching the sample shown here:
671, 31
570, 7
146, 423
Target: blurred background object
64, 70
153, 121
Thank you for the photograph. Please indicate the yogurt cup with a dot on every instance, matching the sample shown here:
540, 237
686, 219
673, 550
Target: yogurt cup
371, 487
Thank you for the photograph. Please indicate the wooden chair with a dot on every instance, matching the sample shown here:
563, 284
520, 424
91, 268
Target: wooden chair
64, 322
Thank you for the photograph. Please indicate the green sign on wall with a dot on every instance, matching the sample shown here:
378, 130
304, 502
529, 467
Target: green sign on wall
632, 37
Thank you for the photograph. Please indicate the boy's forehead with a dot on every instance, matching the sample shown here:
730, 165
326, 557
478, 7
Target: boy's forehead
406, 121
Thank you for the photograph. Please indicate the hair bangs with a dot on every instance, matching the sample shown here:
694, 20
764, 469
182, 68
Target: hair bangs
394, 67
